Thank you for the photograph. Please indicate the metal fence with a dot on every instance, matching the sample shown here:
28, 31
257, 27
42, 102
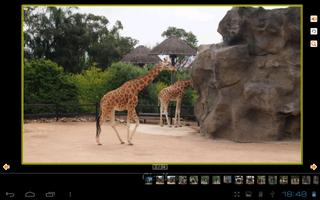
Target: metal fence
57, 111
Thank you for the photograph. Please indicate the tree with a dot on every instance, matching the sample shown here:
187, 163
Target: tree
189, 37
73, 40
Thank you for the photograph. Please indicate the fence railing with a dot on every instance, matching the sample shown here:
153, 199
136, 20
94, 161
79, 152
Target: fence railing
34, 111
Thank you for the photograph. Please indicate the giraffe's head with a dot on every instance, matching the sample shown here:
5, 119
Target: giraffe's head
167, 66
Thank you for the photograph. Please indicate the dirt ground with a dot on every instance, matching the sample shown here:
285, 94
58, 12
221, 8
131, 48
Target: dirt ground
73, 142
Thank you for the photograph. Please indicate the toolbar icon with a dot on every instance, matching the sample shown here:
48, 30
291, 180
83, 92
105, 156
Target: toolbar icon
6, 167
10, 194
314, 43
272, 194
313, 18
248, 194
30, 194
313, 31
50, 194
236, 194
260, 194
313, 166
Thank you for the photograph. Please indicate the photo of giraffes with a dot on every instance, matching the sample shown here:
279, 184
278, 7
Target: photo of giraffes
149, 84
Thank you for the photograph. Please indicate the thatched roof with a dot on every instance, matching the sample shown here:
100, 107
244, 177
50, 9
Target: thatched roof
140, 55
173, 46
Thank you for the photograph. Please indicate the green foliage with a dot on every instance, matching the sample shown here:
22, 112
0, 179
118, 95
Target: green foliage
118, 73
160, 86
93, 83
46, 83
73, 40
183, 74
90, 84
189, 37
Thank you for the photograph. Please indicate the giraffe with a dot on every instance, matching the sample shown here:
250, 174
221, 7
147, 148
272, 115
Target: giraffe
126, 98
174, 92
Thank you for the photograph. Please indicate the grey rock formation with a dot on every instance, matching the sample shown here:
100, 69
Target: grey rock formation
249, 85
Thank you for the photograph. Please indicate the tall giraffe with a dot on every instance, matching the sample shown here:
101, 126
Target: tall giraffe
126, 98
174, 92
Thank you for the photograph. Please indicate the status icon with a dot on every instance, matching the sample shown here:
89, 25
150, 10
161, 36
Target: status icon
313, 18
314, 194
314, 43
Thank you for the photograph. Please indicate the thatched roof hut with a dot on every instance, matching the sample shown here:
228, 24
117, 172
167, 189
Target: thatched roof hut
140, 55
174, 46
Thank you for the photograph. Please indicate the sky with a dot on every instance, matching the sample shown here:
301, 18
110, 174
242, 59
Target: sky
146, 23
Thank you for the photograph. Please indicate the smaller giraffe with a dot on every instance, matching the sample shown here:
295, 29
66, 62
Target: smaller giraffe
174, 92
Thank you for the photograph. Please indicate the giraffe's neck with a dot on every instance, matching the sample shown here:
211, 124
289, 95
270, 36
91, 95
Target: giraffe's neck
144, 81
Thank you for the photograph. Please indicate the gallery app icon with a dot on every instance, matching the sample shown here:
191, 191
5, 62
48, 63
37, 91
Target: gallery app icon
313, 31
171, 180
193, 180
148, 180
313, 18
182, 180
204, 180
261, 180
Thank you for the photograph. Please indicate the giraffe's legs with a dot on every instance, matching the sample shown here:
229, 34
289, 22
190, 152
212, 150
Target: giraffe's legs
113, 125
178, 110
100, 121
161, 112
128, 127
102, 118
176, 116
166, 113
132, 115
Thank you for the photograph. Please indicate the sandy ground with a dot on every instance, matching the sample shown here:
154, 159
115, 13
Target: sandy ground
72, 142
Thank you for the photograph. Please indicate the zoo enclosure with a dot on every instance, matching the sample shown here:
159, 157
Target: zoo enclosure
35, 111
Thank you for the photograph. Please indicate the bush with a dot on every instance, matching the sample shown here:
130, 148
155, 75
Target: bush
46, 83
90, 84
118, 73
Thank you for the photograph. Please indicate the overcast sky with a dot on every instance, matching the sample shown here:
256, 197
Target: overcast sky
146, 23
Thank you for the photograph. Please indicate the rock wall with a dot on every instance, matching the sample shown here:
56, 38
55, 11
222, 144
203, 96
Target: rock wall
249, 85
